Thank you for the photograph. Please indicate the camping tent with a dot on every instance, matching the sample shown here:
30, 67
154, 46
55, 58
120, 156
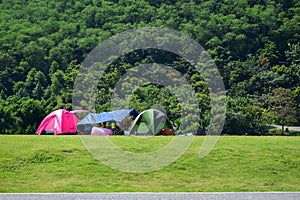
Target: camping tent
120, 116
113, 116
150, 122
58, 122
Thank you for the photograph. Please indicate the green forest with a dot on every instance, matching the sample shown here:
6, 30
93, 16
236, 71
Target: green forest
254, 44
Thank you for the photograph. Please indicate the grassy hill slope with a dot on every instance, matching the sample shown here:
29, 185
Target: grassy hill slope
62, 164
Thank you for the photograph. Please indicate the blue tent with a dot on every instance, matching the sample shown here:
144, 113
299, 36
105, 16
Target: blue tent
117, 116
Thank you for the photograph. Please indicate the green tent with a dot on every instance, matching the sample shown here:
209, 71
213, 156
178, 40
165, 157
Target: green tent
150, 122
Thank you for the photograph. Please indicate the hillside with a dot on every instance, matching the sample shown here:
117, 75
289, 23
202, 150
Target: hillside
62, 164
255, 45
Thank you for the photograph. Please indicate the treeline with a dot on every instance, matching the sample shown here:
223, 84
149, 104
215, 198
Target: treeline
255, 45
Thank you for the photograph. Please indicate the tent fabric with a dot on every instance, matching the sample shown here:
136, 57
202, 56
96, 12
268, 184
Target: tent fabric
59, 122
79, 111
117, 116
150, 122
101, 131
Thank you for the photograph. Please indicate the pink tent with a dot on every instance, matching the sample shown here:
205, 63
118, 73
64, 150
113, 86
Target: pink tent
59, 122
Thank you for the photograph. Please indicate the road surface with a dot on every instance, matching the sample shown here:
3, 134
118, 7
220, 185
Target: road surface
291, 128
155, 196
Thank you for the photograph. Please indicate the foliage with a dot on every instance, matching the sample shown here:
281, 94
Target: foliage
255, 45
279, 132
244, 116
282, 104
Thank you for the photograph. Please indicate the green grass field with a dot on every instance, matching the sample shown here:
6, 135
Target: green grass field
62, 164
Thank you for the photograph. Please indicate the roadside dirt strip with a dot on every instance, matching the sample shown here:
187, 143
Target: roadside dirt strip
154, 196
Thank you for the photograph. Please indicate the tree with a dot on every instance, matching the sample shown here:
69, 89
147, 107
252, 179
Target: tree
255, 45
281, 102
38, 91
244, 116
20, 89
57, 82
6, 117
296, 94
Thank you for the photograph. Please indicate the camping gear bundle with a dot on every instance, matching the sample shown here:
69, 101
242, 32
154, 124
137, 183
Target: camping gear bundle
118, 122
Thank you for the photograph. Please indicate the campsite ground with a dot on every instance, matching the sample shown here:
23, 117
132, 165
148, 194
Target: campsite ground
62, 164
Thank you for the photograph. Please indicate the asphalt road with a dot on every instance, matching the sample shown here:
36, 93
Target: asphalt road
155, 196
291, 128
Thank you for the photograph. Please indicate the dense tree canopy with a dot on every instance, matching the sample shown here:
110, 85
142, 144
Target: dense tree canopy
255, 45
